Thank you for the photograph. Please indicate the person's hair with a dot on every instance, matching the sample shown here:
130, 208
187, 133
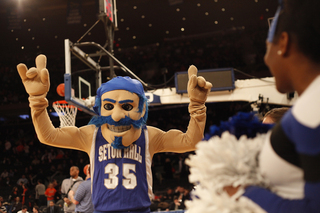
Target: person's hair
36, 207
276, 113
301, 20
24, 207
77, 168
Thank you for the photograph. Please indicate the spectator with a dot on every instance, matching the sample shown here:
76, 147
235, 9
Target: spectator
35, 209
3, 209
82, 198
49, 193
26, 196
24, 209
40, 194
14, 194
52, 208
71, 183
22, 180
16, 205
274, 115
4, 174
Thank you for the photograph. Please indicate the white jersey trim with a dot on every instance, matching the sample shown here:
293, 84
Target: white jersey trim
148, 164
92, 155
309, 114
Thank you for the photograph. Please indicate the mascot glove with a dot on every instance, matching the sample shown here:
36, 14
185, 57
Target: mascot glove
36, 79
198, 87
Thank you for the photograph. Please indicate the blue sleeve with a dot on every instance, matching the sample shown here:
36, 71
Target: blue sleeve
80, 193
273, 203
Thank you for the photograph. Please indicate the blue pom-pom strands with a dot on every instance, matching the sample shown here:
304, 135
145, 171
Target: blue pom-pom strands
242, 123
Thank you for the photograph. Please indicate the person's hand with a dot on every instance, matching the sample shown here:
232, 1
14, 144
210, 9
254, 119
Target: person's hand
231, 190
36, 79
67, 201
198, 87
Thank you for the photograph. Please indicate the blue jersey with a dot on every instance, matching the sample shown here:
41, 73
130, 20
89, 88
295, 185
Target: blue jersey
122, 178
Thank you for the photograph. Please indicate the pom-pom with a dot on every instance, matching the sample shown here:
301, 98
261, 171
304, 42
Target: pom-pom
221, 162
243, 123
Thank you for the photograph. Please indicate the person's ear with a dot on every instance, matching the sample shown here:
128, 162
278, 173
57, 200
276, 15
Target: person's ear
284, 44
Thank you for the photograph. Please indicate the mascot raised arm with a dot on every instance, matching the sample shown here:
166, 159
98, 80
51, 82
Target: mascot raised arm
118, 142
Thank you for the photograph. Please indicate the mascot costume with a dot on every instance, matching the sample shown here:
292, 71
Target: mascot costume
118, 142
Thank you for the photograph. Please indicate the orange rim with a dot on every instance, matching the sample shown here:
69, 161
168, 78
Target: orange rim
63, 103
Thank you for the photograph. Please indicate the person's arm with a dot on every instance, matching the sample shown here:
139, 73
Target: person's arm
71, 196
175, 140
78, 195
36, 82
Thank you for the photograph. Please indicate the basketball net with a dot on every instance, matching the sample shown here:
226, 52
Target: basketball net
67, 113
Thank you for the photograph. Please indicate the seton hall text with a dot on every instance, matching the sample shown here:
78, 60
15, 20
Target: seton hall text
107, 152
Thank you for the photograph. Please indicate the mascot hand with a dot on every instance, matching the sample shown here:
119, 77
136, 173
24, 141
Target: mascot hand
36, 79
198, 87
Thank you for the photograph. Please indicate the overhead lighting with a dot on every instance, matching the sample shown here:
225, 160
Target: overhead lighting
198, 4
134, 7
178, 9
142, 16
182, 29
150, 25
206, 13
223, 9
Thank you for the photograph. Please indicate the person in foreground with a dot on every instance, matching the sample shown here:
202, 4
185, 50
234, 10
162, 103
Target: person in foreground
290, 159
118, 142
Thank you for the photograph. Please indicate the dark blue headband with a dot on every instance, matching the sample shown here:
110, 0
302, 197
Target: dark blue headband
121, 83
273, 27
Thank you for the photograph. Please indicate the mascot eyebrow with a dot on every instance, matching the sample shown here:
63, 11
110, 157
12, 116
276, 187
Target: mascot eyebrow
120, 102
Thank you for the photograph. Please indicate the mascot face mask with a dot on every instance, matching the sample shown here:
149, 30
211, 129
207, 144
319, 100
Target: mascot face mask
122, 108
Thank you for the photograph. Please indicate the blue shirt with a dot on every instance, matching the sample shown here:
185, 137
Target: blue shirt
83, 196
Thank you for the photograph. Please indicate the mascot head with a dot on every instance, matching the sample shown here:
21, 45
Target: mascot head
122, 110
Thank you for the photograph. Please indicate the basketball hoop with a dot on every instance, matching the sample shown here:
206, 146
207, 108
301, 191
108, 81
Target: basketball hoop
67, 113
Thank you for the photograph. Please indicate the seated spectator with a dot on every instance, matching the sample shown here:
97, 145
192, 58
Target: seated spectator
274, 115
24, 209
35, 209
3, 209
16, 205
52, 208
